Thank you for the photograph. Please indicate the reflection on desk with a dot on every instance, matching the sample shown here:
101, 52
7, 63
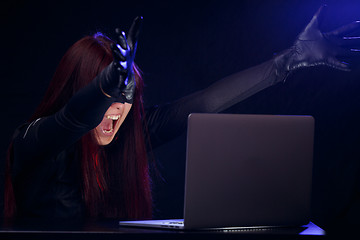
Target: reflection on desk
312, 229
110, 229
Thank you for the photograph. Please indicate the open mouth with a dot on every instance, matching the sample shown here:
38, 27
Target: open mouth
110, 123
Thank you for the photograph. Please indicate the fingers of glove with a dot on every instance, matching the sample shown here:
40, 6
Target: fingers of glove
129, 88
335, 63
346, 29
347, 43
118, 56
120, 68
130, 83
348, 52
134, 32
121, 39
316, 19
353, 42
122, 78
352, 45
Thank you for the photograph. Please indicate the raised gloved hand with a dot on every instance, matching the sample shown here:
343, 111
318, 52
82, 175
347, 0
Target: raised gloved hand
118, 80
313, 47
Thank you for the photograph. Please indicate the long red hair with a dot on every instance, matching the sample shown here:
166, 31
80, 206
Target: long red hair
115, 178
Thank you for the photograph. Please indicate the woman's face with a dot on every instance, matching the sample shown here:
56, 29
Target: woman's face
113, 118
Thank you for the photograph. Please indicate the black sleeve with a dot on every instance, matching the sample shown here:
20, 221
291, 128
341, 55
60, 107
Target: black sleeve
47, 136
168, 121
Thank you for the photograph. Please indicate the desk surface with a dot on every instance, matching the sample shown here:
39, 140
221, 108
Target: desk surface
111, 230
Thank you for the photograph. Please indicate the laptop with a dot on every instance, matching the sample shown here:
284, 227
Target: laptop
245, 171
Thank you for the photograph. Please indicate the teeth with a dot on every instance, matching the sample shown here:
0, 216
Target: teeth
107, 131
113, 117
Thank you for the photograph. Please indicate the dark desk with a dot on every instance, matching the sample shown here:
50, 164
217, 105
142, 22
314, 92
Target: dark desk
110, 230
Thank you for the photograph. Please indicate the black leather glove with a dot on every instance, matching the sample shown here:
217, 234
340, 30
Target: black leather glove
117, 80
313, 47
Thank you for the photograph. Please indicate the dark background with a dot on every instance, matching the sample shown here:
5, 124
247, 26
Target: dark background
184, 47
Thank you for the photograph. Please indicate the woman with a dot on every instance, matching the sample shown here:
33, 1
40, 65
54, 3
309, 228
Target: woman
83, 152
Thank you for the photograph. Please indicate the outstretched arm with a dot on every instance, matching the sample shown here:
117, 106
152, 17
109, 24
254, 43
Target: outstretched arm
311, 48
